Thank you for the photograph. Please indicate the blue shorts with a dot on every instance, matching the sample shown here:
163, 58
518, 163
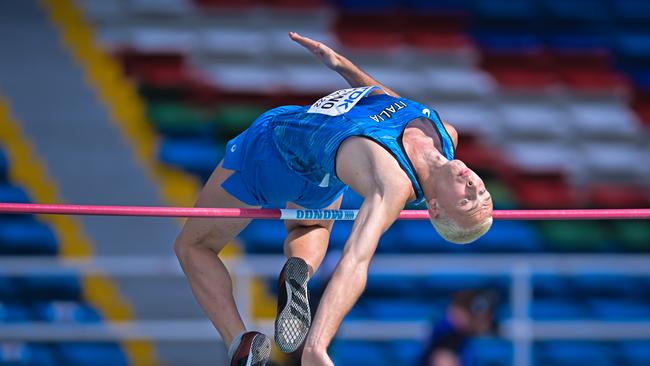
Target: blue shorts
262, 177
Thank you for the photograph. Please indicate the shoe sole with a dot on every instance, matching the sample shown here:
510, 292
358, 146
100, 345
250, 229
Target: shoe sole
292, 323
260, 351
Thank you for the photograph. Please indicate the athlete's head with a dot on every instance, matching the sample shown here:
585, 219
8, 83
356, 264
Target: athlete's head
460, 207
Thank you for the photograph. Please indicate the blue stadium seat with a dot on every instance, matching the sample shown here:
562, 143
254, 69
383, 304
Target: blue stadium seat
360, 310
59, 287
560, 353
509, 42
351, 200
66, 312
402, 309
446, 284
556, 309
603, 284
264, 236
96, 354
405, 352
23, 354
7, 289
509, 236
572, 42
367, 5
395, 285
4, 166
195, 156
26, 237
620, 309
552, 285
635, 352
491, 351
390, 242
354, 353
13, 313
634, 46
632, 12
12, 193
505, 11
576, 13
418, 236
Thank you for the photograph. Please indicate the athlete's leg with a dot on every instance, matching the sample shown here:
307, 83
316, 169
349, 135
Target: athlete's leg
305, 247
197, 248
308, 239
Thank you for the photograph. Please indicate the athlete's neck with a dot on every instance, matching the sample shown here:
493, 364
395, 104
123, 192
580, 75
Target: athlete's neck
419, 142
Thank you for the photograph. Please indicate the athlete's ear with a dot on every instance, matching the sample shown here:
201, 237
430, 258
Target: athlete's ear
432, 206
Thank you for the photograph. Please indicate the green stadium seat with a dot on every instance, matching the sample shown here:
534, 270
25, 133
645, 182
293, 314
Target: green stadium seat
233, 119
632, 235
566, 236
177, 119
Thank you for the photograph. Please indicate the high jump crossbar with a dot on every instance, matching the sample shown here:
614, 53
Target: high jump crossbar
305, 214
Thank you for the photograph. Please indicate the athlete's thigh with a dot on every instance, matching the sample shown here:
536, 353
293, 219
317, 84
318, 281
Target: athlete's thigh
214, 233
324, 223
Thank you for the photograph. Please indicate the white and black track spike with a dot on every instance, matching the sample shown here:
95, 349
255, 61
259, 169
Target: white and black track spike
254, 350
294, 315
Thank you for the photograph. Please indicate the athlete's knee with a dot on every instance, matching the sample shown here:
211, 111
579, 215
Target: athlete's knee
307, 225
186, 243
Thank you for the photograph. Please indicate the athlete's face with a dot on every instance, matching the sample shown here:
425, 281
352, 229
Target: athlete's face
462, 195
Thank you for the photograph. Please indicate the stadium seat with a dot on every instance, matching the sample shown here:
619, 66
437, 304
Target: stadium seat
4, 166
405, 352
66, 312
23, 354
558, 309
491, 352
416, 236
352, 353
447, 284
635, 352
181, 120
620, 309
165, 8
232, 119
163, 39
264, 236
193, 155
551, 285
605, 284
632, 235
504, 13
98, 354
633, 47
12, 193
7, 289
536, 120
11, 312
618, 196
379, 285
26, 237
402, 309
574, 236
52, 287
379, 30
572, 14
574, 353
510, 236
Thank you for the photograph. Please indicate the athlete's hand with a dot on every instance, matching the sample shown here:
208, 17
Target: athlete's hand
328, 56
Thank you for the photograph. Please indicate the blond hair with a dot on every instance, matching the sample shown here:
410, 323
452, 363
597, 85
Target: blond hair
452, 232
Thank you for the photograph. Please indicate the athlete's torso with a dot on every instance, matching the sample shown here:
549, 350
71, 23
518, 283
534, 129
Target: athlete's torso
308, 137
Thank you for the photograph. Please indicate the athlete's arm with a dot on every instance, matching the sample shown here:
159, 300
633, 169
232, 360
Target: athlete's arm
349, 71
371, 171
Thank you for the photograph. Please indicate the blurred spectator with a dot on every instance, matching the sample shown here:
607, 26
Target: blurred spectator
470, 313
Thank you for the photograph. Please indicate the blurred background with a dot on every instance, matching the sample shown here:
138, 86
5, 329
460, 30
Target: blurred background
132, 101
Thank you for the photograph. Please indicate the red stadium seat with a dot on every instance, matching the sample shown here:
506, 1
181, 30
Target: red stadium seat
369, 31
618, 196
544, 190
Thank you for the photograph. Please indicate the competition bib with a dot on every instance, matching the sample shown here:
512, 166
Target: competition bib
341, 101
